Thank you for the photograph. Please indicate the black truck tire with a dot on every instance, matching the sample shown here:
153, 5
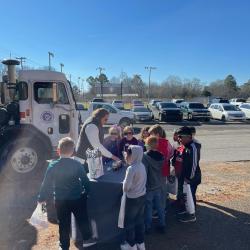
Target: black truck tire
23, 158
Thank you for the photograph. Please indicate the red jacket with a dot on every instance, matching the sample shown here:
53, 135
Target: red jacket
165, 148
178, 160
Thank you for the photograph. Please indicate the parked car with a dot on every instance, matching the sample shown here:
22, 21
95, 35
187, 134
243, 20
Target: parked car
178, 102
98, 100
116, 116
142, 114
195, 111
153, 103
245, 107
237, 101
118, 104
218, 100
137, 103
167, 111
226, 112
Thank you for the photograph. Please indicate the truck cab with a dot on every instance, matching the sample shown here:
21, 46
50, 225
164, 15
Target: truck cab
37, 110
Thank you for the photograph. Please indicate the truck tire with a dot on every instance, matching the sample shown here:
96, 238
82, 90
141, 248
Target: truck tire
23, 159
125, 122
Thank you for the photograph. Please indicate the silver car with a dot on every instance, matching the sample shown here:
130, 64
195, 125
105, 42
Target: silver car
142, 114
118, 104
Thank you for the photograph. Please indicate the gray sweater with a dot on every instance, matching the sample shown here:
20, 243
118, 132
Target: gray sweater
134, 184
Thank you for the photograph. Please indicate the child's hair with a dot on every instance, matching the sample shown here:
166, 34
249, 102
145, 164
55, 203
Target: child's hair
128, 129
157, 129
142, 132
115, 129
66, 145
152, 142
193, 130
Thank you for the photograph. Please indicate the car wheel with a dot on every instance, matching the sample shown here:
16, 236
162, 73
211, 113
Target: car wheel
223, 118
189, 117
23, 159
207, 120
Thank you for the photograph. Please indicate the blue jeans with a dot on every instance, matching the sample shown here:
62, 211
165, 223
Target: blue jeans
154, 199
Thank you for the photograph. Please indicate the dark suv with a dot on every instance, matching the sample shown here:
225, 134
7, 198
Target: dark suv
195, 111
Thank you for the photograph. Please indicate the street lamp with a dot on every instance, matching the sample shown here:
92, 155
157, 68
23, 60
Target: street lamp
149, 68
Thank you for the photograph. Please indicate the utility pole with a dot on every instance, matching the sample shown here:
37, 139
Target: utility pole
101, 83
50, 55
82, 88
149, 68
61, 65
22, 60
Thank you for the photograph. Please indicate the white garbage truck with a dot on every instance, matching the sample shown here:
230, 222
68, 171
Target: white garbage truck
37, 109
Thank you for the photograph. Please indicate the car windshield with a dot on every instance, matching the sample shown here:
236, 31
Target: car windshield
196, 106
168, 105
230, 108
141, 109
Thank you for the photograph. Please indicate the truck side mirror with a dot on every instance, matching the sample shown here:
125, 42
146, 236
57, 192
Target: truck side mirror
55, 95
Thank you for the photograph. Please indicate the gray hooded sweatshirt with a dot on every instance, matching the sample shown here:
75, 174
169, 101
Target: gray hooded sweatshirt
134, 184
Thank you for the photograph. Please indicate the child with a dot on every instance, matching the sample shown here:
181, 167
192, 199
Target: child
193, 131
68, 181
143, 136
127, 140
153, 161
166, 149
191, 173
111, 143
134, 185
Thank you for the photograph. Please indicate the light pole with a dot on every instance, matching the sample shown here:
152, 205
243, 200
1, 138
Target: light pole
22, 60
61, 65
50, 55
100, 72
149, 68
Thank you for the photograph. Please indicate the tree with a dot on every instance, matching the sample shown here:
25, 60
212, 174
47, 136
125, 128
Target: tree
230, 86
102, 79
206, 92
137, 85
76, 92
245, 90
92, 81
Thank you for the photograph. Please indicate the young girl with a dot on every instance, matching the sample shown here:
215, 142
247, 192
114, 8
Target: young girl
134, 185
111, 143
127, 140
166, 149
143, 136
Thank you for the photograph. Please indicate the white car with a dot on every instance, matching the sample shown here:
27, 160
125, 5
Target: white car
237, 101
226, 112
116, 116
245, 107
118, 104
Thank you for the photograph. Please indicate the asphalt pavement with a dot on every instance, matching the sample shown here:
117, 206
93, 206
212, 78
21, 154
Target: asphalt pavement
220, 141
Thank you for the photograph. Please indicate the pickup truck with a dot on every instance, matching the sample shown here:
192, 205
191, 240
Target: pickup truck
116, 116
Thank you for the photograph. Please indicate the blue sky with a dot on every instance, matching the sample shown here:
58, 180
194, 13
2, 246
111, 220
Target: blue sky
208, 39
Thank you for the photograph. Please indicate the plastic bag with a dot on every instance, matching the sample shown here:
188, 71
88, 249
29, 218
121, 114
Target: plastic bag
39, 217
95, 163
189, 202
172, 185
122, 211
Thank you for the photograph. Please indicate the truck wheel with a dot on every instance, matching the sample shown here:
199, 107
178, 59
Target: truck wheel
223, 118
125, 122
23, 159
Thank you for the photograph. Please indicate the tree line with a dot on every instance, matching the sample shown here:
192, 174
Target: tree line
172, 87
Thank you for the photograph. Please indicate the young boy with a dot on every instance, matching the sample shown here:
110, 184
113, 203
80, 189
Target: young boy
68, 181
193, 131
153, 161
191, 172
134, 185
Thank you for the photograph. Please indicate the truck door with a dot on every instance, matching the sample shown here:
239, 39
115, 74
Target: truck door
53, 119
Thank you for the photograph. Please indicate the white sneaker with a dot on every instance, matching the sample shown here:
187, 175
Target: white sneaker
126, 246
141, 246
90, 242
